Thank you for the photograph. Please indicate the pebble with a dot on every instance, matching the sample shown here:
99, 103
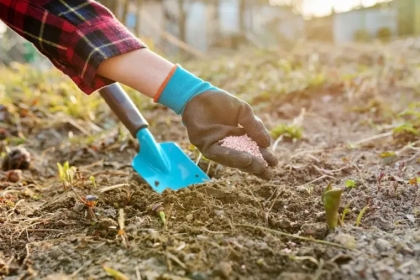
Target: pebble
346, 239
189, 217
224, 269
317, 230
198, 276
382, 245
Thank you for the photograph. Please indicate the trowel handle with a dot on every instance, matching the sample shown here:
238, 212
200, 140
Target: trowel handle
122, 105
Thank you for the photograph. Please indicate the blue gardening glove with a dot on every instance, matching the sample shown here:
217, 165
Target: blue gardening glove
211, 114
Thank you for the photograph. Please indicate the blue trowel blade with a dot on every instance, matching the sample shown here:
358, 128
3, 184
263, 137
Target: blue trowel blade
165, 165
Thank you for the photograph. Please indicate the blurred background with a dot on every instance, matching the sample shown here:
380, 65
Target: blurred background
190, 29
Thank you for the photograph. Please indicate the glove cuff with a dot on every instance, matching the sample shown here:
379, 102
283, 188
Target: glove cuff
179, 87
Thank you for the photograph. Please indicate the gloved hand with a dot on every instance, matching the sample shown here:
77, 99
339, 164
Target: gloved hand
211, 114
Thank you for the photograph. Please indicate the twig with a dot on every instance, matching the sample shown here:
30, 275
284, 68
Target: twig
296, 237
318, 271
44, 229
215, 232
27, 254
110, 188
313, 181
304, 258
276, 143
77, 126
371, 138
408, 146
208, 167
174, 258
12, 211
78, 270
25, 228
138, 275
200, 155
85, 167
307, 151
109, 172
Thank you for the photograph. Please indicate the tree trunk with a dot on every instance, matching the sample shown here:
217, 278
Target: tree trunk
216, 4
137, 28
111, 4
126, 8
182, 20
242, 6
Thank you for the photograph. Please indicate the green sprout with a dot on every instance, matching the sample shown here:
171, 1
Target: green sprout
350, 184
360, 216
291, 131
93, 181
158, 209
66, 174
331, 199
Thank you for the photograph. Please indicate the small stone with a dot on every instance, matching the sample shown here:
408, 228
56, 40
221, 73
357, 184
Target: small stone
316, 230
404, 249
14, 175
416, 249
224, 269
346, 240
411, 218
261, 262
261, 245
189, 217
197, 276
382, 245
18, 158
285, 224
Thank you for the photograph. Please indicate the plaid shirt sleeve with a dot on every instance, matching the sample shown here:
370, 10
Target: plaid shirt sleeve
76, 36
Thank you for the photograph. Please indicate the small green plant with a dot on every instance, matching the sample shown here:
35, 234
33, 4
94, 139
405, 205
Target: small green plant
331, 198
160, 210
117, 275
350, 184
93, 181
360, 216
291, 131
66, 174
410, 128
406, 128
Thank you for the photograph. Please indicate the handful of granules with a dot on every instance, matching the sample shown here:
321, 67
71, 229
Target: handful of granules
242, 143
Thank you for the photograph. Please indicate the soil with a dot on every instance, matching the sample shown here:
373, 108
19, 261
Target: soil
236, 226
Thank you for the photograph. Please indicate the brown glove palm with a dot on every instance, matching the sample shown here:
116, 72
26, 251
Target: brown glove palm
213, 115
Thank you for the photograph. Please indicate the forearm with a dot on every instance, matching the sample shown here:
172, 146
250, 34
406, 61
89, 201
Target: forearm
142, 70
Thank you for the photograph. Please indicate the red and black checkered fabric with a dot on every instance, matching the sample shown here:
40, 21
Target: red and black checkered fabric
76, 36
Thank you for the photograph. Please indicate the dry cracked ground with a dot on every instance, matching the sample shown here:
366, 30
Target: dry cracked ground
346, 116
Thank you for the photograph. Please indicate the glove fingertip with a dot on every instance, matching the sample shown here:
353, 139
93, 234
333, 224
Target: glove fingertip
267, 175
269, 157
